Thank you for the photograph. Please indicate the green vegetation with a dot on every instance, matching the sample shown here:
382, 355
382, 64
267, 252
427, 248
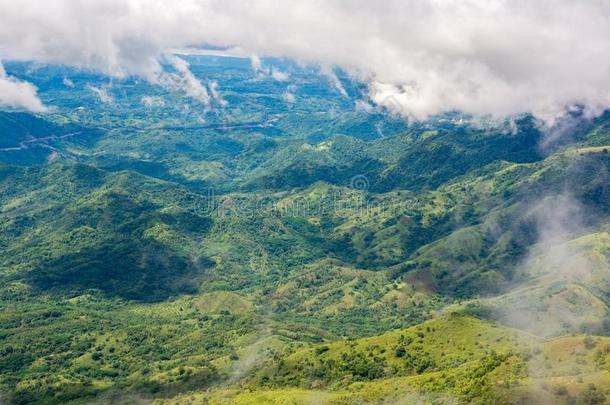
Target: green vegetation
446, 360
303, 253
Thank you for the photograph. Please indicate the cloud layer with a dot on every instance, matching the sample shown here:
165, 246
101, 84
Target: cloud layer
485, 57
15, 93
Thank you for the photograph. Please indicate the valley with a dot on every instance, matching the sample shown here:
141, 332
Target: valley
274, 249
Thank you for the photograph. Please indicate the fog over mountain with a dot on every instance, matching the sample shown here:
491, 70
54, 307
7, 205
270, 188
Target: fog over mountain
304, 202
419, 58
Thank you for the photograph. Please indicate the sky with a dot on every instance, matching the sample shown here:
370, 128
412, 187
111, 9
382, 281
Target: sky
495, 58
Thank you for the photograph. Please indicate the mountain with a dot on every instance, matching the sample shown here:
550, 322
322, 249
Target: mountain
296, 250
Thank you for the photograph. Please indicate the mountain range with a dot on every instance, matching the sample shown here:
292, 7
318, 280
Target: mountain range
301, 249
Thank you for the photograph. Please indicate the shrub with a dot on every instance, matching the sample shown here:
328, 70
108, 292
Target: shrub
400, 351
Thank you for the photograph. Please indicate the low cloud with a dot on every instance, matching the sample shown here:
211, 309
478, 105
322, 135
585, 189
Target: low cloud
334, 80
186, 81
560, 271
18, 94
279, 75
153, 101
215, 92
261, 71
256, 63
102, 94
289, 96
486, 58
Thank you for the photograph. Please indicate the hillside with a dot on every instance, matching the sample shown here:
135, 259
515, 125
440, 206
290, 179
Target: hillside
295, 250
447, 360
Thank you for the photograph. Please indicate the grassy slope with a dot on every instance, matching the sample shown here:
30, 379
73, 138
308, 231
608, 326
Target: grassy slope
452, 358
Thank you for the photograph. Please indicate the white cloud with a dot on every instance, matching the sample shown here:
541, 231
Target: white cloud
184, 80
261, 71
279, 75
191, 85
17, 94
152, 101
102, 94
364, 106
256, 63
289, 97
494, 57
334, 80
216, 96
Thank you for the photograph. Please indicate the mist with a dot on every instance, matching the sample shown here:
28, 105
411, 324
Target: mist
485, 58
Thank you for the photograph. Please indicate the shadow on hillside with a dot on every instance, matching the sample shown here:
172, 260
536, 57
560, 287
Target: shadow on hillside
134, 270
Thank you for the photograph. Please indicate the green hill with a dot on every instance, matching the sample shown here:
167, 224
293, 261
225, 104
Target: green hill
304, 252
445, 360
81, 228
